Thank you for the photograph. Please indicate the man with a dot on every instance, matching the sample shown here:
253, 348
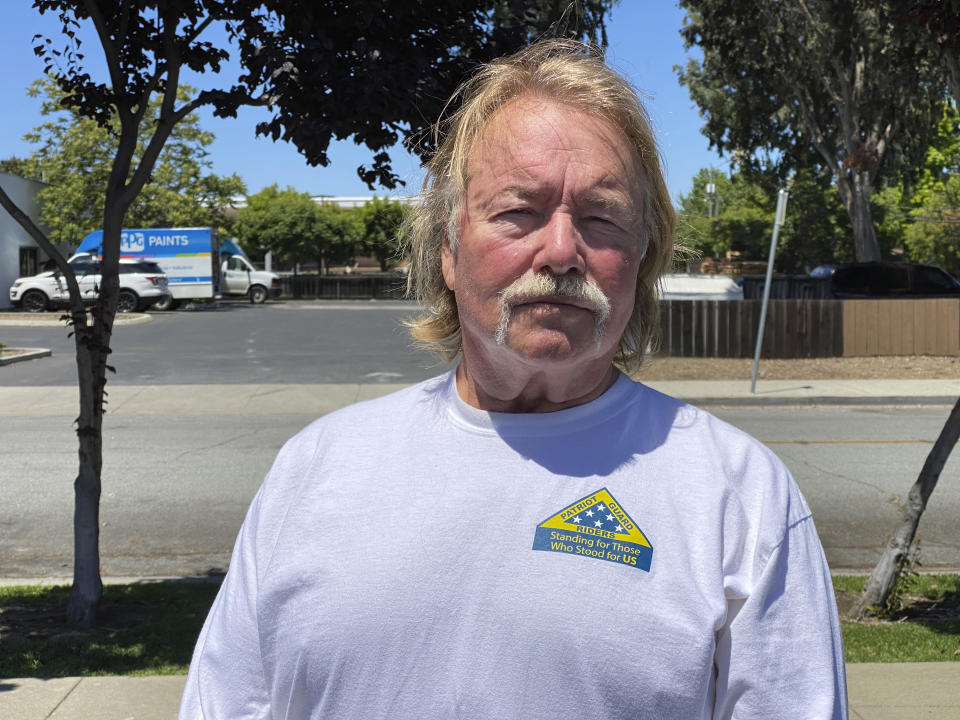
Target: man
533, 535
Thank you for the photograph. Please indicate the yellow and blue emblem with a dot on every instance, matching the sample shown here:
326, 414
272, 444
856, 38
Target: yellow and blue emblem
596, 526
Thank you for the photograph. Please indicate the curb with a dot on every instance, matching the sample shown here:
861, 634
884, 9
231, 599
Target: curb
48, 319
848, 400
53, 581
22, 355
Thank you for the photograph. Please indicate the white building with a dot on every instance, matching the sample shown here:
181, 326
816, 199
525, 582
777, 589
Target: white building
19, 254
343, 201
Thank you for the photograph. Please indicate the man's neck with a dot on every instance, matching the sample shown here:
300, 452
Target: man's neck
537, 391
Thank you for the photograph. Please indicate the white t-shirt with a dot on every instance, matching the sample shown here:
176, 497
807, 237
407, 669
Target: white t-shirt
413, 557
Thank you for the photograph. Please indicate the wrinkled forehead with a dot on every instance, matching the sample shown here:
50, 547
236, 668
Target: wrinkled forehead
528, 130
532, 148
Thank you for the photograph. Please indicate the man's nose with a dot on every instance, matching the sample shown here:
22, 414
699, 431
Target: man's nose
561, 247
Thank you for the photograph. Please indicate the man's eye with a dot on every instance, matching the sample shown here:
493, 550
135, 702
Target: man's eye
599, 220
516, 215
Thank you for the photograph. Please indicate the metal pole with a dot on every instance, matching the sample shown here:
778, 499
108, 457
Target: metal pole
777, 222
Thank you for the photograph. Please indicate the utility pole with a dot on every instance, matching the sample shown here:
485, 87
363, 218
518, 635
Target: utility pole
778, 220
713, 208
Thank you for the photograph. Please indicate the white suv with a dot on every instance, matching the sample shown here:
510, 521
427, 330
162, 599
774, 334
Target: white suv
142, 283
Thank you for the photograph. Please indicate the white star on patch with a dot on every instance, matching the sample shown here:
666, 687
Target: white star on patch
589, 513
618, 528
599, 523
600, 507
576, 519
610, 518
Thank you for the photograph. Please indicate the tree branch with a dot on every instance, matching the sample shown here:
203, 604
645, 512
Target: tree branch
109, 49
77, 312
816, 134
198, 31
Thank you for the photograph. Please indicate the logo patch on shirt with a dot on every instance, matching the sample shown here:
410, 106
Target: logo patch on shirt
596, 526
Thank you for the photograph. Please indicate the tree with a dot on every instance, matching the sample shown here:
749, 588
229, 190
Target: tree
829, 79
934, 236
919, 215
817, 230
17, 166
337, 235
294, 226
741, 222
281, 221
938, 24
381, 220
365, 69
74, 155
931, 230
896, 554
933, 233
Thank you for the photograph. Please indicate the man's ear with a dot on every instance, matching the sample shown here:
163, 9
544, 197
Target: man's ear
447, 262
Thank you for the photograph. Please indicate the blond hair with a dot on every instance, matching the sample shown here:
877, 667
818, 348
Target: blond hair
561, 71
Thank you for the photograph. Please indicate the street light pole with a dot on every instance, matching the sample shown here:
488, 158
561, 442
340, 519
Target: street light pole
777, 222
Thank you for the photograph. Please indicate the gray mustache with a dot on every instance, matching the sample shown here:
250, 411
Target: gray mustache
546, 284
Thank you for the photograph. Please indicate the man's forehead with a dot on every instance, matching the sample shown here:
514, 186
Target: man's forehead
520, 142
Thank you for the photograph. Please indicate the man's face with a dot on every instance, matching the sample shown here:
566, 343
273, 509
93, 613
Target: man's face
551, 192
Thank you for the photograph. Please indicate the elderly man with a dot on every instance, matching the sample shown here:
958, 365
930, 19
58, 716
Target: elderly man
532, 535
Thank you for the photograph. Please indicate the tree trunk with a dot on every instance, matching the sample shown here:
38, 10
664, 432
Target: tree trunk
885, 574
91, 375
93, 347
87, 588
865, 245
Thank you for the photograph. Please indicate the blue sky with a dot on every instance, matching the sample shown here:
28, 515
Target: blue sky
645, 46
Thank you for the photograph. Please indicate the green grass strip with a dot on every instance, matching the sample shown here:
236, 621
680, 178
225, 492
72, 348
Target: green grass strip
150, 628
145, 629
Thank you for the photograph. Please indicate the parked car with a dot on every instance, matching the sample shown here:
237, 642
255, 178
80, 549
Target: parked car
142, 283
855, 280
890, 280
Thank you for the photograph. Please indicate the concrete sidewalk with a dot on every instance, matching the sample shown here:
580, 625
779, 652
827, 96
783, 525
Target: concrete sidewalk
877, 691
323, 398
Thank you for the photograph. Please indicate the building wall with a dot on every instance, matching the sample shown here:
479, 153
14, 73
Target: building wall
12, 237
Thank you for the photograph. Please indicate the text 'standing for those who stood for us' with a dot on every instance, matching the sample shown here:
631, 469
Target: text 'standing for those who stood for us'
596, 526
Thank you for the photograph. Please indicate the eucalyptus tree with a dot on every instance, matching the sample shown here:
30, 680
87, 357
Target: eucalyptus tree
938, 24
780, 82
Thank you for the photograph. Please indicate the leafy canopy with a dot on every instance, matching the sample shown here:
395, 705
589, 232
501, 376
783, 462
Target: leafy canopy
816, 230
328, 69
294, 226
381, 218
826, 84
73, 155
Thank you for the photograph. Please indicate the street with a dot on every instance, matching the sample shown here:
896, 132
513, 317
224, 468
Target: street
280, 342
176, 483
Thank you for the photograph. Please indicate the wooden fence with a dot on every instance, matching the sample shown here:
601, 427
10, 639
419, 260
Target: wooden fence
811, 328
901, 327
720, 328
343, 287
